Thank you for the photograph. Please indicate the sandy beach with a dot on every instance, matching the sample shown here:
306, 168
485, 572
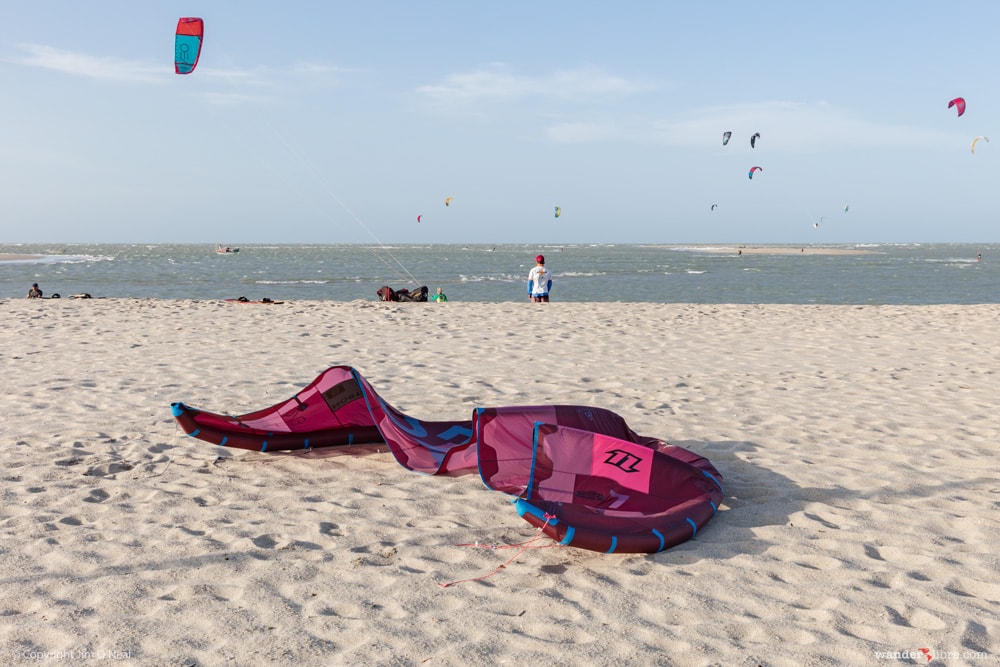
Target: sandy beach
858, 444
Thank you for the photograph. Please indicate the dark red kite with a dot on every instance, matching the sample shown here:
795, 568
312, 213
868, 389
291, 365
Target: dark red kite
959, 104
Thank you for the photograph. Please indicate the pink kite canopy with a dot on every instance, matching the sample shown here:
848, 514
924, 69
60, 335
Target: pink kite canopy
959, 104
578, 473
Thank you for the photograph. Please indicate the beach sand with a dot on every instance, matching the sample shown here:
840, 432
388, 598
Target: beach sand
858, 446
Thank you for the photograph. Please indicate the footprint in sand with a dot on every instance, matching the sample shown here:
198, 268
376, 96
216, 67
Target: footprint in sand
97, 496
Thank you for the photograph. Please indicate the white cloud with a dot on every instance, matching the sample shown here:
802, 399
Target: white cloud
95, 67
114, 69
479, 91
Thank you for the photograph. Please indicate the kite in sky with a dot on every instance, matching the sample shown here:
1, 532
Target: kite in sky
418, 218
187, 44
959, 104
753, 139
753, 169
558, 211
447, 201
725, 137
984, 138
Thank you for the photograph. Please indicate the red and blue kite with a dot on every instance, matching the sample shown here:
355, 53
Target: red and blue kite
187, 44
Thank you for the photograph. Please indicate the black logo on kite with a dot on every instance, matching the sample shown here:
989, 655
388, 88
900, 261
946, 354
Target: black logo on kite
624, 461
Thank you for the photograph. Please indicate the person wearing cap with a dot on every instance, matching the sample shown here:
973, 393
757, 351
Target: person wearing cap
35, 292
539, 281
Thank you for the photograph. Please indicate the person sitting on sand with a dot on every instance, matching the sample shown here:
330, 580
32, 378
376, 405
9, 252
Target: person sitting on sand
440, 297
35, 292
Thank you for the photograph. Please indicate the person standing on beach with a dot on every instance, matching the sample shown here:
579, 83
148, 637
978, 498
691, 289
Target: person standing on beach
440, 297
539, 281
35, 292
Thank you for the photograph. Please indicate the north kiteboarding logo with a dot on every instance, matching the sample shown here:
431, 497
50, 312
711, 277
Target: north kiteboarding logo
623, 460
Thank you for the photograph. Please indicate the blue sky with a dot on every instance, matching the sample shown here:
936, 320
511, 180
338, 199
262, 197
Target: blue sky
329, 122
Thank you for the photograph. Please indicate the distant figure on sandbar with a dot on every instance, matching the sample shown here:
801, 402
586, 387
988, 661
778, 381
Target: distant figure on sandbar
35, 292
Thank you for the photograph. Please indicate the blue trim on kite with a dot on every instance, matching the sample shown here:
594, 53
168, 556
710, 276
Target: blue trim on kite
194, 434
570, 531
694, 527
306, 443
534, 456
263, 446
225, 439
364, 394
177, 409
350, 438
455, 431
524, 507
714, 508
477, 420
711, 477
614, 544
663, 540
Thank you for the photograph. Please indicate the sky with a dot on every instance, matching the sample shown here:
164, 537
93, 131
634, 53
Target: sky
342, 122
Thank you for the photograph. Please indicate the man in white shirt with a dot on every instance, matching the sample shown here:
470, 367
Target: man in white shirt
539, 281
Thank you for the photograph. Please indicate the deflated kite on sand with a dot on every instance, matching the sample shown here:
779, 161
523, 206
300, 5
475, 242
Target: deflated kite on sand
577, 473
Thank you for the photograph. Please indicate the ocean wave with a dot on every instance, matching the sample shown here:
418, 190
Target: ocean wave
58, 259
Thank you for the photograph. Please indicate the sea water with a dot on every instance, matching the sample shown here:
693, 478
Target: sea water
880, 274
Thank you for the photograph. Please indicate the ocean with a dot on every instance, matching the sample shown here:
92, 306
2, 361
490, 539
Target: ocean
780, 274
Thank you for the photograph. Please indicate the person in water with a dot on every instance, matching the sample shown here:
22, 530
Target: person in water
440, 297
35, 292
539, 281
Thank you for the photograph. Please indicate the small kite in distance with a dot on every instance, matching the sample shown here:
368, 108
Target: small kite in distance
846, 206
418, 218
753, 139
447, 201
714, 206
753, 169
725, 137
187, 44
984, 138
558, 211
959, 104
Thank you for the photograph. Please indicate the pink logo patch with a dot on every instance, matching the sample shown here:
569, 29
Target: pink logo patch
626, 463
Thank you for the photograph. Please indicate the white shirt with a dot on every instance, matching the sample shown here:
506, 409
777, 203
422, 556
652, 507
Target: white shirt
539, 278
